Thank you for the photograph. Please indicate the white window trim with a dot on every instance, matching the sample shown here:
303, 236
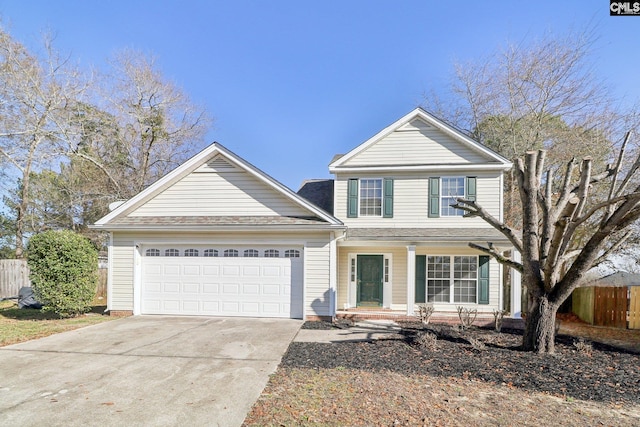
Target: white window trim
360, 215
451, 280
387, 285
443, 196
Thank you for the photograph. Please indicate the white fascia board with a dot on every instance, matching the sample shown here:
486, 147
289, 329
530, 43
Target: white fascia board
423, 168
217, 228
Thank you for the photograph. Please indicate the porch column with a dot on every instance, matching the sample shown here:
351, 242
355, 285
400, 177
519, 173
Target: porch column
333, 256
516, 288
411, 279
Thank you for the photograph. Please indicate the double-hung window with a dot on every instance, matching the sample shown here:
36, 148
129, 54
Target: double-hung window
456, 279
370, 197
451, 189
444, 192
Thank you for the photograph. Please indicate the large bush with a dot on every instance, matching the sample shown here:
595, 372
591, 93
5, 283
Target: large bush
64, 271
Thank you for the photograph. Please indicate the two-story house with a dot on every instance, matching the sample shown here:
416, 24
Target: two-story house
217, 236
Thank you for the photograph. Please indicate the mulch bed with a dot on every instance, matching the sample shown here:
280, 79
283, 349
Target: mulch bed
578, 370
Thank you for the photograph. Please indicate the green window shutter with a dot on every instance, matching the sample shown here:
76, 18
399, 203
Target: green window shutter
471, 188
483, 279
421, 278
352, 199
387, 203
434, 197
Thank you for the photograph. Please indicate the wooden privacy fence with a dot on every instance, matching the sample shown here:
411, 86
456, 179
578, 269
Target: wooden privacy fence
610, 307
634, 307
14, 274
613, 306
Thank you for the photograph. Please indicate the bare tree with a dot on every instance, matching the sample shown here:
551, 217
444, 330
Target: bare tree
542, 94
147, 125
37, 97
566, 230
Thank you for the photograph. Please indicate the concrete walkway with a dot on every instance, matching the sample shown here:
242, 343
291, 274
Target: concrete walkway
366, 330
143, 370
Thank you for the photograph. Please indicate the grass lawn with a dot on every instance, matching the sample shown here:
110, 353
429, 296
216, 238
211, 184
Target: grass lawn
18, 325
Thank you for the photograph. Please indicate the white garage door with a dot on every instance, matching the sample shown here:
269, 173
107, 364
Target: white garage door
222, 281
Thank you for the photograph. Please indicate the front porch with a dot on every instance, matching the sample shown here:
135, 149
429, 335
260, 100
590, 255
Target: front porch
388, 279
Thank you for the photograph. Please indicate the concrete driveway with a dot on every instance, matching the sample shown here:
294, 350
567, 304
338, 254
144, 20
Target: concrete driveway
143, 370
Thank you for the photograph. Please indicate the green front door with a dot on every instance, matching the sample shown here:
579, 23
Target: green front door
370, 273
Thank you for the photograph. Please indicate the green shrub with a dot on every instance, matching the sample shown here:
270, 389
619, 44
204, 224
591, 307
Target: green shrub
64, 271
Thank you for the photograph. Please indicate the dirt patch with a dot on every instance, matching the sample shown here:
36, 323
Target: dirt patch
476, 376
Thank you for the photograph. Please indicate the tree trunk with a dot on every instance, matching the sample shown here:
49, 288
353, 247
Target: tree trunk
540, 326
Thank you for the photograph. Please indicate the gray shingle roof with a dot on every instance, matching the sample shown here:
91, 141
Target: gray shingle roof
319, 192
214, 220
426, 234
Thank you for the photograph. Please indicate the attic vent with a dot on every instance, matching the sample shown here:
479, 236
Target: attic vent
219, 164
415, 125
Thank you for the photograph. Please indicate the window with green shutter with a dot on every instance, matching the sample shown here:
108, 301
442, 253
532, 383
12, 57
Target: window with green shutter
444, 191
352, 198
471, 188
421, 278
483, 279
387, 210
434, 197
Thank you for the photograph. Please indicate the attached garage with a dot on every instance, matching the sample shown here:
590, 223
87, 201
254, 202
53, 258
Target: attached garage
219, 237
249, 281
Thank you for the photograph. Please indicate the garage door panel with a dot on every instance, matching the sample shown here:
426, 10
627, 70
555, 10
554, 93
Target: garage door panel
191, 288
231, 270
251, 289
251, 270
272, 289
211, 270
227, 286
171, 270
172, 288
171, 306
192, 270
230, 289
210, 288
191, 307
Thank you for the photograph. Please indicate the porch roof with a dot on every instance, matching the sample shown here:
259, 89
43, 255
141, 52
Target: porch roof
429, 235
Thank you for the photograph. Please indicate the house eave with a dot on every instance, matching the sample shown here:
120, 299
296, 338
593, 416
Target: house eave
422, 168
218, 228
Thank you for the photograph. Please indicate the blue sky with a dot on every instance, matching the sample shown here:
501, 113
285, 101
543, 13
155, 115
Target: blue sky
291, 83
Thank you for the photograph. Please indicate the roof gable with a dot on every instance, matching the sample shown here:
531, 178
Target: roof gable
419, 141
215, 183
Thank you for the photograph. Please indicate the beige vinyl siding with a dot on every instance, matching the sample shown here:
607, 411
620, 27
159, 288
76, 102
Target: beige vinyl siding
317, 301
424, 147
122, 273
221, 193
410, 201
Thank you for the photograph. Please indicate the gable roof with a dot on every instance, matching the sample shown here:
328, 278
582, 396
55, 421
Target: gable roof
118, 218
490, 159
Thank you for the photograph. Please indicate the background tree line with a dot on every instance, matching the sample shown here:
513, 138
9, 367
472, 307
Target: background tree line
72, 141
